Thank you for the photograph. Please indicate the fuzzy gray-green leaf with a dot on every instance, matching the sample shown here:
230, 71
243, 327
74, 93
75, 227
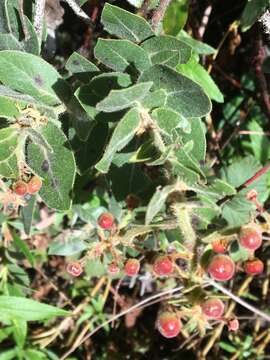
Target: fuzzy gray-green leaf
183, 95
124, 98
123, 133
167, 50
33, 76
120, 55
124, 24
56, 168
157, 202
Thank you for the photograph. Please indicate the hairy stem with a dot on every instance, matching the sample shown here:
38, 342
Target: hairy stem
38, 19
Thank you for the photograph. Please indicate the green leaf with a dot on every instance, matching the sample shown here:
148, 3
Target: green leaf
19, 332
259, 142
154, 99
99, 87
253, 10
239, 210
56, 168
183, 94
197, 135
13, 307
168, 120
123, 133
22, 246
129, 179
27, 213
87, 153
121, 55
175, 17
157, 202
181, 171
125, 98
31, 45
8, 107
31, 354
83, 122
78, 64
125, 25
33, 76
9, 42
17, 98
9, 168
197, 73
94, 268
241, 170
9, 354
197, 46
183, 156
217, 189
67, 246
167, 50
227, 347
238, 253
8, 143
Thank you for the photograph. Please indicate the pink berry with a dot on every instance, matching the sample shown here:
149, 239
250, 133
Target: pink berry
254, 267
233, 325
163, 266
250, 237
113, 269
221, 268
20, 188
106, 221
219, 246
213, 308
168, 324
74, 269
34, 185
132, 267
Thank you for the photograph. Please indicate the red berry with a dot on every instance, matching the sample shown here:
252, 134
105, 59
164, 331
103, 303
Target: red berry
254, 267
106, 221
250, 237
20, 188
74, 269
233, 325
163, 266
221, 268
168, 324
213, 308
219, 246
132, 267
34, 185
113, 269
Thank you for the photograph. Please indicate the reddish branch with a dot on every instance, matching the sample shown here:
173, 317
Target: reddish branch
159, 13
261, 81
144, 9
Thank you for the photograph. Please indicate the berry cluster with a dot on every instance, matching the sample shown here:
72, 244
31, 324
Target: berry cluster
221, 267
22, 188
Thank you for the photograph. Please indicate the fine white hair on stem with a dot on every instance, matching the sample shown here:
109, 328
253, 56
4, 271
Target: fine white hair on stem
238, 300
78, 11
265, 20
132, 308
38, 18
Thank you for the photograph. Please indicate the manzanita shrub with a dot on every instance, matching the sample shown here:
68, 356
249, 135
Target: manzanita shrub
117, 148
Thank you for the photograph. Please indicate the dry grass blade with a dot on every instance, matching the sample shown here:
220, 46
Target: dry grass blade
132, 308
